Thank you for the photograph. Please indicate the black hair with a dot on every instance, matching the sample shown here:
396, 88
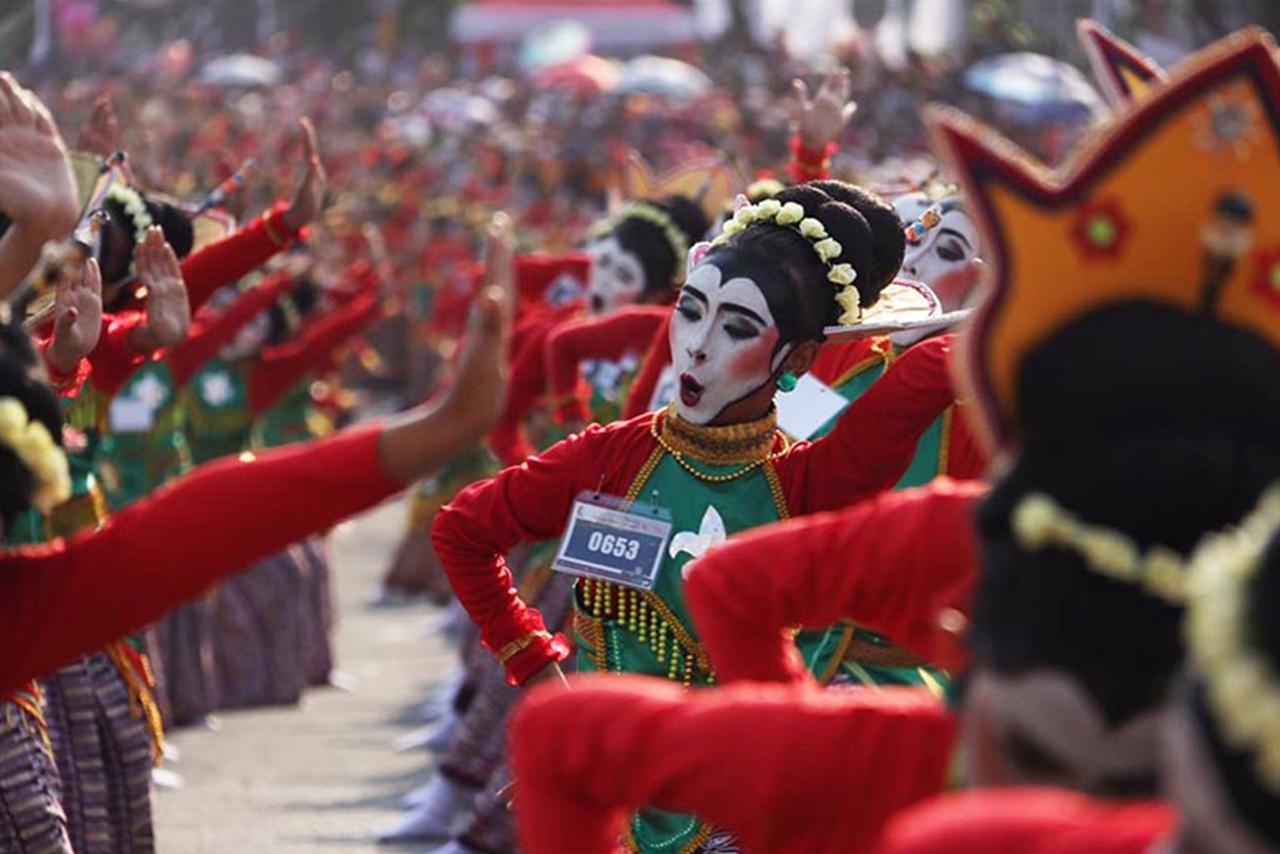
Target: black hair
118, 239
1237, 770
651, 246
890, 245
1160, 424
22, 378
789, 272
291, 309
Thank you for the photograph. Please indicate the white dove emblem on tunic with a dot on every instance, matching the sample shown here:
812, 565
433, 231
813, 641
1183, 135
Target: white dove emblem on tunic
710, 533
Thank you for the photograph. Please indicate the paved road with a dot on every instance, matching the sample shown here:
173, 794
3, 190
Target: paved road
323, 776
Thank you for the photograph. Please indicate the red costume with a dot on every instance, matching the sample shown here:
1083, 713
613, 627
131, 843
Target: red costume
896, 564
627, 330
211, 331
1028, 821
237, 255
786, 769
865, 454
64, 599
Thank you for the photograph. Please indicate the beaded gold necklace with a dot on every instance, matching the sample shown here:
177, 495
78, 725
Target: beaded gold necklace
750, 444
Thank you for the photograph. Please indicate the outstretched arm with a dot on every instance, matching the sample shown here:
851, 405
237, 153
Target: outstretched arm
60, 600
239, 254
784, 770
209, 334
894, 564
875, 439
282, 367
626, 330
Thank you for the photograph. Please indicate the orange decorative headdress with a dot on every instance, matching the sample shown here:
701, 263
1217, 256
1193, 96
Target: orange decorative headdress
1123, 72
1176, 200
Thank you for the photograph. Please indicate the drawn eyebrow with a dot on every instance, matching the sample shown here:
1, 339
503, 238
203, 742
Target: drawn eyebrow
957, 235
696, 294
744, 311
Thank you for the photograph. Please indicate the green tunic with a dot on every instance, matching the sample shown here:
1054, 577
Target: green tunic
625, 630
217, 401
924, 467
146, 445
293, 419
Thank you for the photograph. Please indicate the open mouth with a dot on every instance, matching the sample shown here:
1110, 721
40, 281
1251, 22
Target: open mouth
690, 390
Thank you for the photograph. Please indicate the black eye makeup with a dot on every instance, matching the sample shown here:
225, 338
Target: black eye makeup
689, 308
739, 331
950, 251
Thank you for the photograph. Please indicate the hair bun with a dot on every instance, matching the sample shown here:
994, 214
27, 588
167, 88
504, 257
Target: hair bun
846, 225
687, 214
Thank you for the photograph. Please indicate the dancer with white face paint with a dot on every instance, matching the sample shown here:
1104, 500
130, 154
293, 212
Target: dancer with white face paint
943, 246
753, 309
617, 276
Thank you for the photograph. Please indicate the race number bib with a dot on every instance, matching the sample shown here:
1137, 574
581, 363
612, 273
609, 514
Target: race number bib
612, 539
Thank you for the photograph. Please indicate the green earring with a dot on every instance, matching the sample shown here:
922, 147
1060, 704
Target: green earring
786, 381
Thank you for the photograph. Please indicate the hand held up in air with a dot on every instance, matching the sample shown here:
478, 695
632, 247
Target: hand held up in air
819, 119
37, 189
168, 309
308, 201
77, 314
426, 438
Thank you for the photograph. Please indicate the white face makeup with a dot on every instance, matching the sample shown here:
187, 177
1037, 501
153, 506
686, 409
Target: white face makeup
617, 278
723, 338
945, 255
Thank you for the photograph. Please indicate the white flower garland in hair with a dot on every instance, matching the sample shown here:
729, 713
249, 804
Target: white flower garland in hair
131, 200
31, 442
828, 249
1242, 689
654, 216
1039, 522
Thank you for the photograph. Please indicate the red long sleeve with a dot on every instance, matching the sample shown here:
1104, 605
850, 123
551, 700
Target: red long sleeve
892, 564
537, 272
525, 503
67, 385
210, 332
807, 164
114, 359
280, 368
63, 599
875, 439
1028, 821
527, 384
627, 330
786, 770
656, 359
236, 255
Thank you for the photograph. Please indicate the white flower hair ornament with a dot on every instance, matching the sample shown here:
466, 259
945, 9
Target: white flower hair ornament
1039, 523
134, 207
655, 216
31, 442
791, 215
1242, 688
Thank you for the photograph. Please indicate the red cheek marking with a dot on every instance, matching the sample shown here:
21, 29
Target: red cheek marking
753, 359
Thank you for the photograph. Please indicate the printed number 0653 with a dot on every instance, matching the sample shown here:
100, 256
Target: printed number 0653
612, 544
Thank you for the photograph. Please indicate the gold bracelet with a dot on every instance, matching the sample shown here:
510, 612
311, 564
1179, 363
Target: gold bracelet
519, 645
